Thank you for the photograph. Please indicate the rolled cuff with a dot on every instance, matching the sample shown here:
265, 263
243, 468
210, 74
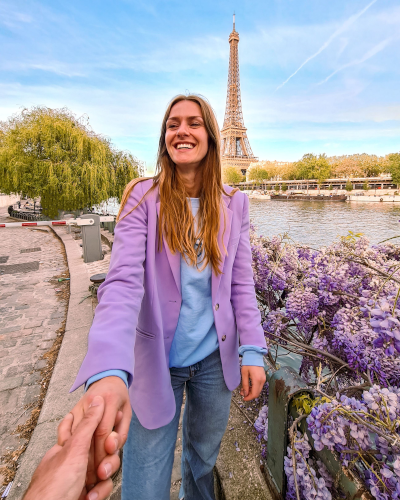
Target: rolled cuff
252, 355
108, 373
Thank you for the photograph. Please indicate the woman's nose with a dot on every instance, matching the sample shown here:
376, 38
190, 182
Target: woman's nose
182, 130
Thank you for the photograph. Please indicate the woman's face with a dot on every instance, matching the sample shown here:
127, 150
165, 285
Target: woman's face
186, 137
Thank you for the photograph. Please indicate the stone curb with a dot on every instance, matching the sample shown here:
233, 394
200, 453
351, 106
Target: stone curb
58, 402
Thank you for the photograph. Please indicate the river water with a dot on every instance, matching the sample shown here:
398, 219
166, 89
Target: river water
317, 223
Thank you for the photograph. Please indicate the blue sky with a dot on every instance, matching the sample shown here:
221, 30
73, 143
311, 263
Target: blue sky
316, 75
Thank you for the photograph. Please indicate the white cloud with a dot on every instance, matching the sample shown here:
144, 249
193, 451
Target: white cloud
338, 32
13, 18
371, 52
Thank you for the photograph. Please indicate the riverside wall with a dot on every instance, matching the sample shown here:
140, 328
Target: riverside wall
379, 195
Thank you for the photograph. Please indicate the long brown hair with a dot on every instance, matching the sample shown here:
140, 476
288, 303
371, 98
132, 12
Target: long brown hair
176, 221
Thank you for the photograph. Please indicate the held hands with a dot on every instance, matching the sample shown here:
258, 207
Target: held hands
255, 374
62, 471
111, 432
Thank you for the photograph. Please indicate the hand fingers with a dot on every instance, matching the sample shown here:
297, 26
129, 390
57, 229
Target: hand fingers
78, 411
82, 437
245, 382
91, 476
65, 429
119, 416
108, 467
101, 491
103, 430
122, 428
257, 376
111, 444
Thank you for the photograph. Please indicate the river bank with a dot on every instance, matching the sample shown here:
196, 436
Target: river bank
377, 195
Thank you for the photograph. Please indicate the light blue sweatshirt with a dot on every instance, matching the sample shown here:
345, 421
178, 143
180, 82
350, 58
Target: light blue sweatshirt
195, 335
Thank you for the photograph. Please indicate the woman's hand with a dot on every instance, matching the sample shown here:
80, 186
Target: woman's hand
255, 374
112, 431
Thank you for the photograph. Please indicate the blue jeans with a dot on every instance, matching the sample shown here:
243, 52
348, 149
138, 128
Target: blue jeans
149, 454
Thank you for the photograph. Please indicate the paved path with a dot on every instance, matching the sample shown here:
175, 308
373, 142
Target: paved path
31, 313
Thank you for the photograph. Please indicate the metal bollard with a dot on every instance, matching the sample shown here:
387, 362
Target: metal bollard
97, 280
91, 239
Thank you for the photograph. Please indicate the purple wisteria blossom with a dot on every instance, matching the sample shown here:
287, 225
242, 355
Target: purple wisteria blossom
337, 308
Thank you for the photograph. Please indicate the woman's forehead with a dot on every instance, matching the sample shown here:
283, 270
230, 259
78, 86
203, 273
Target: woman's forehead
187, 109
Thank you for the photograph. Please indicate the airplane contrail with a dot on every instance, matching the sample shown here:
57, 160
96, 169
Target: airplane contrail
340, 30
380, 46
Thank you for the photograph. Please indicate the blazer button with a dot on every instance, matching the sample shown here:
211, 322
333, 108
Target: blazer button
216, 307
223, 337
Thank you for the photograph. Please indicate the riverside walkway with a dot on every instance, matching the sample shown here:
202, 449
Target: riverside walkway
238, 470
33, 306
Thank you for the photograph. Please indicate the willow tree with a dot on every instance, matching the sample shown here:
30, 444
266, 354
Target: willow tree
51, 154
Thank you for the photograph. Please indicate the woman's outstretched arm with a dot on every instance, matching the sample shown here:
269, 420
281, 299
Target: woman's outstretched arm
112, 336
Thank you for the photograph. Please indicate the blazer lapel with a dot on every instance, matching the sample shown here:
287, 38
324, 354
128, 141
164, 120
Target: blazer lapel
174, 259
223, 237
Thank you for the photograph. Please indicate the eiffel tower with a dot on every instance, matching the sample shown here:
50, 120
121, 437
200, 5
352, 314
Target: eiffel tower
235, 146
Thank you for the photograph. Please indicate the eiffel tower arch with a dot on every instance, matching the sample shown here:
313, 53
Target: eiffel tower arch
235, 146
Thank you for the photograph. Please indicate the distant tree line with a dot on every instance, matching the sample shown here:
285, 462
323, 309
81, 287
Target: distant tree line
321, 167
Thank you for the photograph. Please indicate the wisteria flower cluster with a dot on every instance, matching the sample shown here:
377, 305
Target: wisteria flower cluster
261, 424
366, 431
335, 303
337, 308
310, 484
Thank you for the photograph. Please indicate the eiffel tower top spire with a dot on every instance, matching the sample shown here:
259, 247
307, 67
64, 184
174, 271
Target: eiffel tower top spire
235, 146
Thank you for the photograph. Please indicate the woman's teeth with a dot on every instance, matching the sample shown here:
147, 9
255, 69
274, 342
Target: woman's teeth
184, 146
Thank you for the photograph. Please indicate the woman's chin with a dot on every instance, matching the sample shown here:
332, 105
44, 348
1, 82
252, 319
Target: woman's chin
186, 163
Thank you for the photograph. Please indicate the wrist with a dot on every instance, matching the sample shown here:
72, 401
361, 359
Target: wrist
104, 382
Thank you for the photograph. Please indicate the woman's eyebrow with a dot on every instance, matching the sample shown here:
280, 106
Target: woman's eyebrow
188, 117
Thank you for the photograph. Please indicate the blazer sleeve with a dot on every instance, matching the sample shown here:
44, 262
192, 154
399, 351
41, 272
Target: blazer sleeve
243, 295
112, 334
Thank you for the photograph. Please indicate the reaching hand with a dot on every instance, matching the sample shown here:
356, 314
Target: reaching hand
257, 376
112, 431
62, 471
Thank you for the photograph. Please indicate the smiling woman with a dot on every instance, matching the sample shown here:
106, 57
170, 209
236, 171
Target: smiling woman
178, 301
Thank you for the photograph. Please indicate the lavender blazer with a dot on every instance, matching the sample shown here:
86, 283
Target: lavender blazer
140, 301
